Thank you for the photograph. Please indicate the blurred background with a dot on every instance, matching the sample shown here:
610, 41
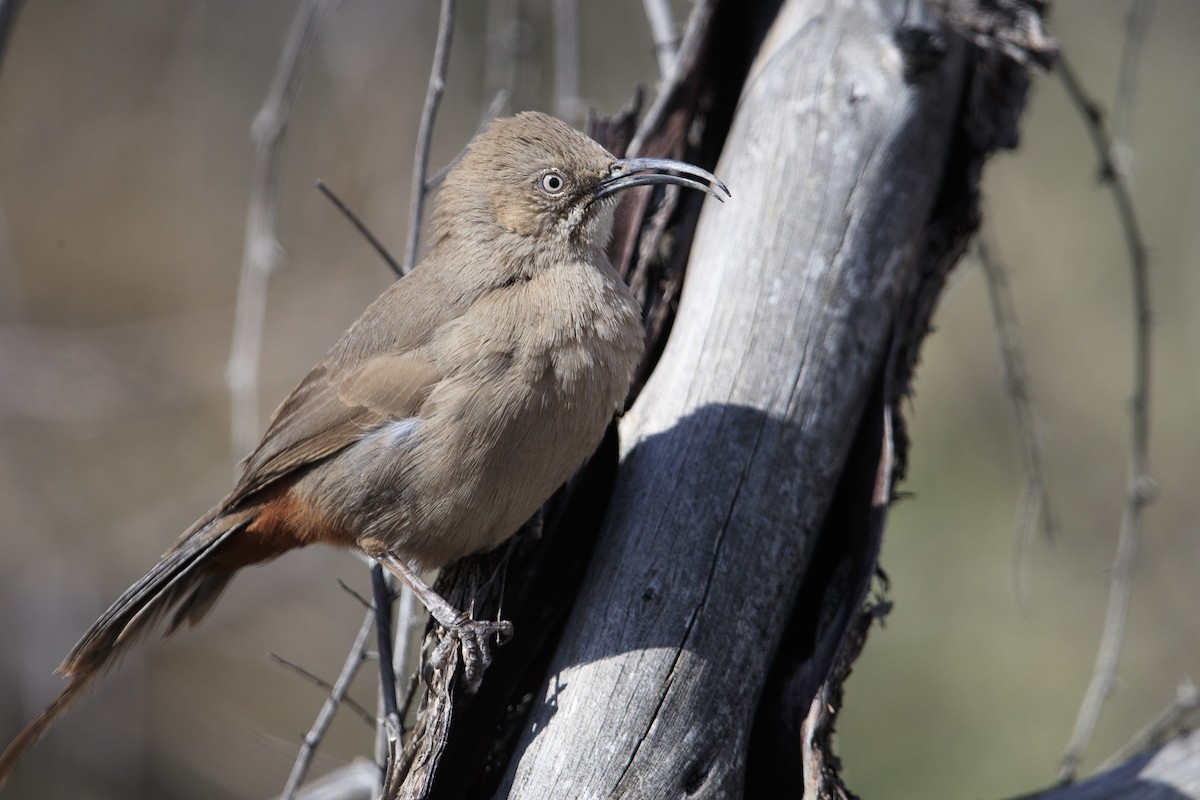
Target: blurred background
125, 161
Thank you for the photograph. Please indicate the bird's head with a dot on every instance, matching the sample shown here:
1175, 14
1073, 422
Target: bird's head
534, 176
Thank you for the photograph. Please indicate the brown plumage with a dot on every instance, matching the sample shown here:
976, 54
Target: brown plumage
455, 405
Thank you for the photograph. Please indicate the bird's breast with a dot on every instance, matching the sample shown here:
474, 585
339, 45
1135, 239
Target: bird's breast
541, 368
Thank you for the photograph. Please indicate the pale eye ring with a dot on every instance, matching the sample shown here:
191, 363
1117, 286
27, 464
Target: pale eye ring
552, 182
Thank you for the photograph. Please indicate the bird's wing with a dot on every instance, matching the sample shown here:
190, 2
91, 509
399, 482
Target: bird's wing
376, 373
333, 408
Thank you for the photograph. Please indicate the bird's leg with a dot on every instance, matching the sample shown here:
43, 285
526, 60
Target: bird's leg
470, 635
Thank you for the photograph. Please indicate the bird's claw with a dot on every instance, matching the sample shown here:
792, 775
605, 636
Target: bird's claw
469, 637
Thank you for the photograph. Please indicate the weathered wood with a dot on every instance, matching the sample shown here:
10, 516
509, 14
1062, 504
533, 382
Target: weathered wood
731, 454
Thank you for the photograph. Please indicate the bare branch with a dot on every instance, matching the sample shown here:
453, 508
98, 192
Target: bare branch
433, 97
1140, 489
384, 595
1035, 504
1168, 773
355, 781
336, 695
1165, 725
360, 227
262, 251
367, 604
567, 105
1122, 124
410, 775
505, 36
324, 684
489, 114
694, 37
662, 28
407, 619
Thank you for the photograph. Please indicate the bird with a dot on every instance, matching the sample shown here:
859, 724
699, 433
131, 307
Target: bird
447, 414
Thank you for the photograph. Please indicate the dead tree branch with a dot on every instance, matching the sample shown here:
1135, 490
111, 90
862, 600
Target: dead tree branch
1140, 490
262, 251
567, 102
321, 683
313, 738
1159, 730
359, 226
662, 29
433, 98
1035, 504
1124, 103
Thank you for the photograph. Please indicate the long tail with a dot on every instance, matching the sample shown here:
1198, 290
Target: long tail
184, 579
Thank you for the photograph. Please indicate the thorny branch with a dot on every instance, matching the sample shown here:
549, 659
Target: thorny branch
262, 251
1140, 488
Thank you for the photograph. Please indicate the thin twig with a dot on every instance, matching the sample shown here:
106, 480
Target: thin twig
1140, 486
1121, 151
383, 636
355, 780
433, 97
360, 227
406, 625
1035, 505
694, 35
489, 114
336, 695
321, 683
666, 38
504, 37
262, 251
348, 589
391, 728
566, 60
1186, 701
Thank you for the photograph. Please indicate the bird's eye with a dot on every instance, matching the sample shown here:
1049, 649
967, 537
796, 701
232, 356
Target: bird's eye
552, 182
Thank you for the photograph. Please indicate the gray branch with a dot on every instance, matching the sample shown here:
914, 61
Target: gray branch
662, 28
1035, 502
262, 251
1140, 487
433, 98
567, 103
325, 718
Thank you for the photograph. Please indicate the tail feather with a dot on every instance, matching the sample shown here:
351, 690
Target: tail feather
200, 600
168, 584
36, 729
179, 579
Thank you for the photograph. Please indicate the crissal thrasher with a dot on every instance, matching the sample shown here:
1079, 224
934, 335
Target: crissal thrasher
448, 412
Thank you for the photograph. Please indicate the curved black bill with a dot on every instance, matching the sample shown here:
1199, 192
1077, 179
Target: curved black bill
628, 172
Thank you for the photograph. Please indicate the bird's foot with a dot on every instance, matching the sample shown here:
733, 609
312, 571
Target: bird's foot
471, 638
